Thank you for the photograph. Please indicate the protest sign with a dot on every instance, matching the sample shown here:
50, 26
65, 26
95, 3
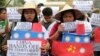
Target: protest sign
13, 14
23, 26
23, 48
95, 19
69, 26
84, 6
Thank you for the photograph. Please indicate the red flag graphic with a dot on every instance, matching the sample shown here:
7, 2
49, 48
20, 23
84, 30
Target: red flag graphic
72, 49
80, 29
37, 27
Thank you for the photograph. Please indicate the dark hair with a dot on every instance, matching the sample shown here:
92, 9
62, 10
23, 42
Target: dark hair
47, 11
2, 9
40, 4
67, 11
81, 18
23, 17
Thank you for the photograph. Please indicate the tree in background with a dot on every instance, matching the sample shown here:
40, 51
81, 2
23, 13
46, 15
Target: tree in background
18, 2
2, 3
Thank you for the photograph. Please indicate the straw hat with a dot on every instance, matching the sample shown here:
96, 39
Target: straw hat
96, 10
27, 5
78, 13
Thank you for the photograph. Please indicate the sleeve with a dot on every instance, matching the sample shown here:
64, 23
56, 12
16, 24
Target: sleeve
54, 28
50, 27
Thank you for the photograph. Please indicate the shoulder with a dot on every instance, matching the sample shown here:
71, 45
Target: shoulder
53, 27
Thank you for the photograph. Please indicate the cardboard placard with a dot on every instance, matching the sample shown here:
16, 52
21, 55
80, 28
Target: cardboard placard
87, 25
84, 6
95, 19
23, 26
13, 15
23, 48
69, 26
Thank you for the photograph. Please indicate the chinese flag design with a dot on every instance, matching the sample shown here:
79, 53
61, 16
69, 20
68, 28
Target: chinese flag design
72, 49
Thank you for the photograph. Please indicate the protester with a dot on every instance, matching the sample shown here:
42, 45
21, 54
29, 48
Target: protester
67, 14
29, 14
4, 31
47, 19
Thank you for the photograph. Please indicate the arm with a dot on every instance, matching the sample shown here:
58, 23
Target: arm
57, 32
55, 36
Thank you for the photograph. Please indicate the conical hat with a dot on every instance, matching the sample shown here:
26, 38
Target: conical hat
78, 13
28, 5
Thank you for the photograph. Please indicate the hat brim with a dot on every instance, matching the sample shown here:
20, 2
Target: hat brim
78, 13
21, 9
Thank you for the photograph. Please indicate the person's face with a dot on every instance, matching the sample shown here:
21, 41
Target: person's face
68, 17
3, 15
47, 18
29, 14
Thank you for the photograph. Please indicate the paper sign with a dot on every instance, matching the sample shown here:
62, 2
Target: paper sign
37, 27
95, 19
69, 26
87, 25
84, 6
23, 26
23, 48
13, 14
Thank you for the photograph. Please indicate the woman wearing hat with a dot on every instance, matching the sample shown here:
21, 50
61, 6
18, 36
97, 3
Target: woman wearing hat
67, 14
29, 14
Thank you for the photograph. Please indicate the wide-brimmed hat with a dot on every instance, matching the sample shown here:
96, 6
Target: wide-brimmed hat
78, 13
27, 5
96, 10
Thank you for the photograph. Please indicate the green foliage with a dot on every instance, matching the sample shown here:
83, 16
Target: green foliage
18, 2
22, 1
2, 3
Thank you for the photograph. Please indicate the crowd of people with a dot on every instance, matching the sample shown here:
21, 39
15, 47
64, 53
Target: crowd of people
52, 26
